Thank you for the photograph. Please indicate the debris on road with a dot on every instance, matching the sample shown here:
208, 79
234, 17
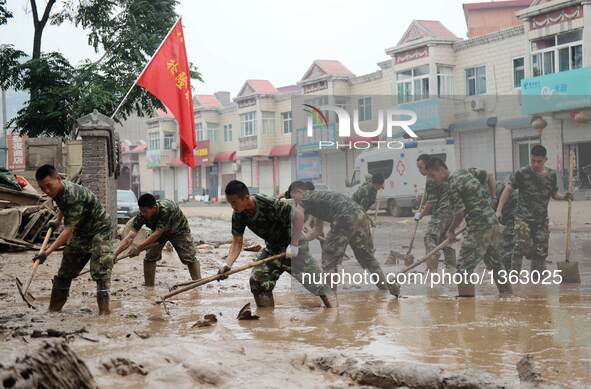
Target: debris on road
54, 364
207, 321
124, 367
246, 313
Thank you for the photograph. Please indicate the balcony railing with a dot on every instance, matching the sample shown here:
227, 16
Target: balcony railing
248, 142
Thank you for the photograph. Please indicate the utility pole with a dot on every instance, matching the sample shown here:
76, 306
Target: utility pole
3, 144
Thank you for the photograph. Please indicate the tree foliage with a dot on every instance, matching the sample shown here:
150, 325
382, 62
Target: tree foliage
5, 14
125, 32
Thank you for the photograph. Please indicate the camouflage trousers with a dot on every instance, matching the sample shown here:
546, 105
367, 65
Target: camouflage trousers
97, 249
531, 241
507, 244
263, 278
352, 229
182, 243
480, 245
435, 235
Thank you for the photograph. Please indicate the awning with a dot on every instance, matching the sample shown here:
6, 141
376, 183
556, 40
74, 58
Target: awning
282, 151
225, 156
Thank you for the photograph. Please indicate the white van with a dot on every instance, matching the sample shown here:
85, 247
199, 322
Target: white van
403, 182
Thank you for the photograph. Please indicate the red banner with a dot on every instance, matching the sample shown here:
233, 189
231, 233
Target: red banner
168, 78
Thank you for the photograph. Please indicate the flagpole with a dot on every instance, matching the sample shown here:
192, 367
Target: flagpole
144, 69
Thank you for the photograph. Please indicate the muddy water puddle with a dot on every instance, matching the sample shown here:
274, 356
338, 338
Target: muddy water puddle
487, 333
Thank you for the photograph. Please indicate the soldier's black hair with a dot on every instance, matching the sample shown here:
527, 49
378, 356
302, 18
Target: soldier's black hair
304, 185
147, 200
424, 157
377, 178
45, 171
236, 187
539, 151
435, 163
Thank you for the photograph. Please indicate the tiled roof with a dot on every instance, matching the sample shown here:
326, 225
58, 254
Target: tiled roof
436, 29
496, 4
332, 66
262, 86
208, 101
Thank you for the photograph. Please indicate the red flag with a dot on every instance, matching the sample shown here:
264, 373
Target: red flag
167, 77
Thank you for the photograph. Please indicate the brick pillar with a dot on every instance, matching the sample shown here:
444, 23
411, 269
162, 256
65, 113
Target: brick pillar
100, 159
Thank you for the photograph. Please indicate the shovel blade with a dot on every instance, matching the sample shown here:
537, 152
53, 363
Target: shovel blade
29, 295
570, 272
19, 286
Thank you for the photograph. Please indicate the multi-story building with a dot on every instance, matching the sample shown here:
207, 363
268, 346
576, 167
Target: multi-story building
523, 76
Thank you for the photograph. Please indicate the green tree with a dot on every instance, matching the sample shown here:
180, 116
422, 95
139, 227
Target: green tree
125, 32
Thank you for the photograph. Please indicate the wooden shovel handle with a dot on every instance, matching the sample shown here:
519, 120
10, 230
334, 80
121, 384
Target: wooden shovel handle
216, 277
38, 262
572, 161
442, 245
414, 233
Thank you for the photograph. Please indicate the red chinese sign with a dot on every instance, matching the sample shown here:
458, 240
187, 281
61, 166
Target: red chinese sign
17, 150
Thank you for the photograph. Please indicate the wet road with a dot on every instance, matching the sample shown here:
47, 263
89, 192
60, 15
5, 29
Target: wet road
428, 327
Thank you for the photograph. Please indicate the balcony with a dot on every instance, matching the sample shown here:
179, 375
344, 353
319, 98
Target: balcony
160, 158
247, 142
562, 91
432, 113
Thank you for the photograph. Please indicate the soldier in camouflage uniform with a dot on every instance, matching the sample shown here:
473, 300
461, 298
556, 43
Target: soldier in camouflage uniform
536, 184
366, 195
437, 205
349, 226
508, 220
271, 220
87, 235
470, 201
169, 224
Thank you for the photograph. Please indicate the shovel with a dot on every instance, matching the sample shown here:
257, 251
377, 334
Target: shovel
569, 270
442, 245
25, 292
185, 286
118, 259
408, 257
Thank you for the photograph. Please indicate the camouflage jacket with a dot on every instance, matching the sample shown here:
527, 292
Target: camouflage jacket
510, 206
481, 175
169, 218
468, 195
82, 209
365, 196
535, 192
438, 197
329, 205
271, 222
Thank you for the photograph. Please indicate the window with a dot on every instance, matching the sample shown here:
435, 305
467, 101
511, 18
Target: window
518, 71
168, 141
227, 133
476, 81
248, 124
560, 52
154, 140
268, 123
286, 118
319, 102
445, 80
523, 151
384, 167
212, 131
364, 106
413, 84
199, 129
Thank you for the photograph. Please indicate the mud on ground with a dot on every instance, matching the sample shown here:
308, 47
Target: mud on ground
142, 345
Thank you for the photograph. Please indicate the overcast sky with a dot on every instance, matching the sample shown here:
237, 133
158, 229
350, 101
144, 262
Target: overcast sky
235, 40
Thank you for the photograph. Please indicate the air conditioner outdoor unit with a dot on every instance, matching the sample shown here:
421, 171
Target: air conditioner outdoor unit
173, 146
477, 104
236, 166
